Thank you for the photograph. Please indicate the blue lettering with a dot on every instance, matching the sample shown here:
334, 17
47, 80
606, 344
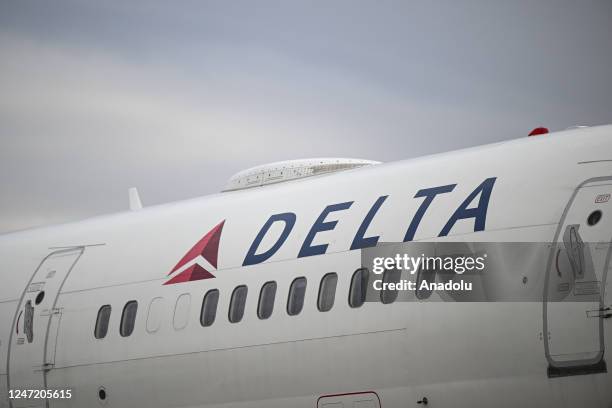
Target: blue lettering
429, 194
319, 226
253, 258
479, 213
360, 241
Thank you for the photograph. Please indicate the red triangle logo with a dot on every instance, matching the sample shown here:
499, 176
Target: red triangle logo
207, 247
193, 273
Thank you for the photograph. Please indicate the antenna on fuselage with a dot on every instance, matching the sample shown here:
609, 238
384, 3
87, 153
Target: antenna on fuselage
135, 203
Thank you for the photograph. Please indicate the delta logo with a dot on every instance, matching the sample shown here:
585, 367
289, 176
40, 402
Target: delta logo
200, 260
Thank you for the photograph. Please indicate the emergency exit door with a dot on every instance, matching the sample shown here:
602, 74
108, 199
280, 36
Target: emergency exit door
575, 303
34, 332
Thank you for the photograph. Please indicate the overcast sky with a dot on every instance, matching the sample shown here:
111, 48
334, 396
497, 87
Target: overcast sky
175, 97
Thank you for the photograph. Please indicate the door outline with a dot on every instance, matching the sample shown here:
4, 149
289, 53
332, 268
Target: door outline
349, 394
573, 367
80, 250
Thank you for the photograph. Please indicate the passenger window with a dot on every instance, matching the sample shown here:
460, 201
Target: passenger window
102, 322
359, 286
428, 276
266, 300
209, 308
181, 311
236, 310
296, 296
390, 276
154, 315
128, 318
327, 292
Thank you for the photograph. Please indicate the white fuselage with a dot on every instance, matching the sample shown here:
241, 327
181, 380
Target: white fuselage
455, 354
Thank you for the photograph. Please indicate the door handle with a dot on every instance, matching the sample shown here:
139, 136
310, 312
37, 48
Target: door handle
602, 313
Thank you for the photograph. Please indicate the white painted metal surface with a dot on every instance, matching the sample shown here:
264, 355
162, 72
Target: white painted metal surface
454, 354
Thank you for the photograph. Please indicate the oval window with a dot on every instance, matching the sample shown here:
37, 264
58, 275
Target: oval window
327, 292
102, 322
266, 300
295, 302
154, 316
237, 303
128, 318
359, 287
209, 308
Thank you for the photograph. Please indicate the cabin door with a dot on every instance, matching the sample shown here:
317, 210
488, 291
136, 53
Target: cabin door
575, 304
32, 342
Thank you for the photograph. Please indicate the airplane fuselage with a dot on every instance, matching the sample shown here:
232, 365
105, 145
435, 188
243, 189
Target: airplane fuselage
162, 352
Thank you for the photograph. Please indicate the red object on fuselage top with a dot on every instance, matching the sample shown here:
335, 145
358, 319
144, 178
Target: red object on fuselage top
538, 131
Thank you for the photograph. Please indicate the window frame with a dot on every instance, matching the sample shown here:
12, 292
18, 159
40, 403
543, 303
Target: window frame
261, 296
124, 321
428, 275
291, 291
365, 291
333, 298
204, 304
180, 316
98, 316
154, 317
393, 294
231, 304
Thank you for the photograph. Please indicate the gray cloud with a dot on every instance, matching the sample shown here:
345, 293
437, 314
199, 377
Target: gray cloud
98, 97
